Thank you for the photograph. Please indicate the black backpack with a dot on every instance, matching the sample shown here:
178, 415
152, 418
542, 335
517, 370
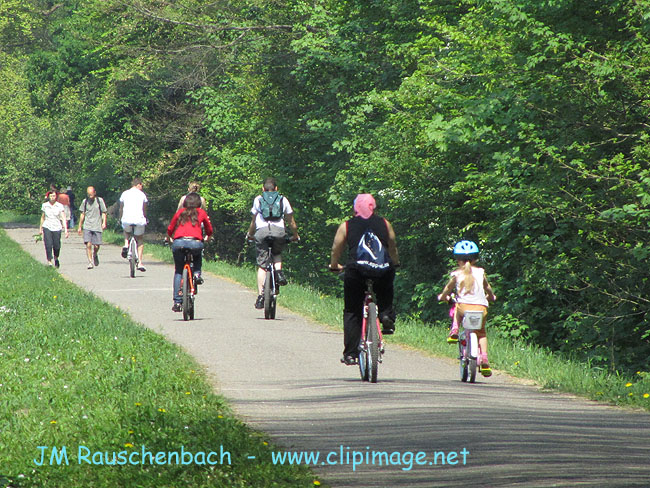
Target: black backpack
372, 258
271, 205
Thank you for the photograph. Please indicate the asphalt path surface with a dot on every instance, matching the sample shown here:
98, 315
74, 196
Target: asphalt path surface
284, 377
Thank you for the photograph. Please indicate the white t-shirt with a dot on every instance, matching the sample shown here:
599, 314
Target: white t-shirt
53, 215
477, 295
259, 220
132, 212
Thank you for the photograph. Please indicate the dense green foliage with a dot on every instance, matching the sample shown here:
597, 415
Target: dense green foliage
521, 124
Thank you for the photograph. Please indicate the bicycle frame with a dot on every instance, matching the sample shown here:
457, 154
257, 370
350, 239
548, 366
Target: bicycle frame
370, 333
188, 300
132, 255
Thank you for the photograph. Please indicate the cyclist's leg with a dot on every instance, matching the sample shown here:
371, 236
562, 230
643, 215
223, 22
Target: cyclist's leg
127, 228
179, 262
353, 292
384, 291
279, 244
197, 251
262, 251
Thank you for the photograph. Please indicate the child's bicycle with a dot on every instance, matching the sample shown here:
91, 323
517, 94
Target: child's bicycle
468, 348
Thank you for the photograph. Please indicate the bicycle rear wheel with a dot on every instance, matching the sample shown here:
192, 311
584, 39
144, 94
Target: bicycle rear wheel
472, 345
373, 343
363, 360
185, 287
472, 370
464, 372
268, 297
133, 260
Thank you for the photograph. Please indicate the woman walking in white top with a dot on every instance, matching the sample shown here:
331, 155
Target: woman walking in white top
53, 221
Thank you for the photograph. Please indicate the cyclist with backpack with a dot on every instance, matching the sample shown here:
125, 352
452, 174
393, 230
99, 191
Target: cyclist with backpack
367, 237
270, 211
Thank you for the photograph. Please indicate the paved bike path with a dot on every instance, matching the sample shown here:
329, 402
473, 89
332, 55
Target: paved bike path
284, 377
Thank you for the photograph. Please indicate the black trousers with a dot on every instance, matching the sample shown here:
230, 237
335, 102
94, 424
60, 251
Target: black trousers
52, 241
354, 288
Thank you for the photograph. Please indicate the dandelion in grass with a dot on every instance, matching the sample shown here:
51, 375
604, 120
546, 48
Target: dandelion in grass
265, 443
188, 392
138, 404
128, 444
630, 394
516, 363
627, 385
316, 483
53, 422
219, 416
645, 395
130, 432
55, 297
162, 410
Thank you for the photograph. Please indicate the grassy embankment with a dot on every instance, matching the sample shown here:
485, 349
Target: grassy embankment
76, 371
522, 360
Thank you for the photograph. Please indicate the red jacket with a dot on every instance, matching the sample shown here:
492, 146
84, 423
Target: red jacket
187, 229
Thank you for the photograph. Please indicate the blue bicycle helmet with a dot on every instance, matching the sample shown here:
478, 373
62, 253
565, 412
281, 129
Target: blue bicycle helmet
466, 250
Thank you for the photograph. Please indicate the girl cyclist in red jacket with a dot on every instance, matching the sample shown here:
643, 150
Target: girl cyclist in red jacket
187, 231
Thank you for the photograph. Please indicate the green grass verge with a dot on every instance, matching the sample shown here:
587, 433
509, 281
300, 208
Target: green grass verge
8, 217
76, 371
519, 359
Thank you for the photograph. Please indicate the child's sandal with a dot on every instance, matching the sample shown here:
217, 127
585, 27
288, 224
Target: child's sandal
452, 338
484, 367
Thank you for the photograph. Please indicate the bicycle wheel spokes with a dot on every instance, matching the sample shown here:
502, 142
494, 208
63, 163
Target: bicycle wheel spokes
268, 295
133, 256
185, 287
373, 343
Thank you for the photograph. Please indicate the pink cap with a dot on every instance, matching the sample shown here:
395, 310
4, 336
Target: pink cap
364, 205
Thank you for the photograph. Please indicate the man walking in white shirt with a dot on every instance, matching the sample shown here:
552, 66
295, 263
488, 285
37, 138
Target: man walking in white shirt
133, 215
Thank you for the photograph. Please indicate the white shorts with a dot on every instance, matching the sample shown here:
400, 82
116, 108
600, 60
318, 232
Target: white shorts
136, 230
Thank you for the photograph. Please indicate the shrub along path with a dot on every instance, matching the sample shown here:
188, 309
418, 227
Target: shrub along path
284, 378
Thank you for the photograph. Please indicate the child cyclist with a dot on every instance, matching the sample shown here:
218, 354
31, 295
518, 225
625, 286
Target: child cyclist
472, 294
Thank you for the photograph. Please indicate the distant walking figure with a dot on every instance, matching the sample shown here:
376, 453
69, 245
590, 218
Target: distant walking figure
53, 221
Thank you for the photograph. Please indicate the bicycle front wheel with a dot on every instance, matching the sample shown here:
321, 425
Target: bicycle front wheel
185, 287
268, 297
373, 343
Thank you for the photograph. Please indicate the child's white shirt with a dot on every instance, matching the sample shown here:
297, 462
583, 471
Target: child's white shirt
477, 295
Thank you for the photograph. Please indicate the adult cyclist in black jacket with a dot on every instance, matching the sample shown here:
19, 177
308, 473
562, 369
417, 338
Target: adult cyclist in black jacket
354, 285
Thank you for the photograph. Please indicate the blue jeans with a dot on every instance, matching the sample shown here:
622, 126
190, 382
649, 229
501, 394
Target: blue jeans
179, 261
